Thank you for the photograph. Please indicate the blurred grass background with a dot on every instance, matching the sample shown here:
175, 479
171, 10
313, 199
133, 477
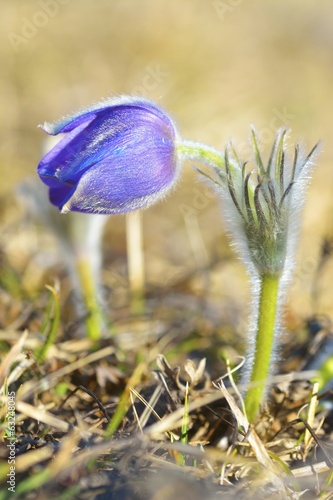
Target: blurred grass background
217, 67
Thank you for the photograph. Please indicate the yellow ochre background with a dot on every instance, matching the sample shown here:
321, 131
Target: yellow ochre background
217, 67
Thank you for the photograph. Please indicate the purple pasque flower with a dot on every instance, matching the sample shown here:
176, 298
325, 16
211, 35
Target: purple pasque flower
117, 156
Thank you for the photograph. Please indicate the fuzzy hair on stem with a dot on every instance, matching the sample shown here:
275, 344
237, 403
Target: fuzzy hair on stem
262, 206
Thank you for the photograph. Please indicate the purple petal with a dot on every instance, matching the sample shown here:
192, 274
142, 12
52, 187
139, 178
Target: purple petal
70, 122
113, 159
118, 185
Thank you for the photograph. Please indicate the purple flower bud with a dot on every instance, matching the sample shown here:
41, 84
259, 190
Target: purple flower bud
117, 156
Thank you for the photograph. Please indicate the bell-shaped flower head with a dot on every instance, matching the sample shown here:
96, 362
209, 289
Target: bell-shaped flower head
117, 156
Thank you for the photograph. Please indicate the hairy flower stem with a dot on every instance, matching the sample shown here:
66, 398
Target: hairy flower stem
268, 299
94, 318
262, 207
136, 263
195, 151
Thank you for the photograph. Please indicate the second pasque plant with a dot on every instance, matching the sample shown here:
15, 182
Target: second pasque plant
262, 207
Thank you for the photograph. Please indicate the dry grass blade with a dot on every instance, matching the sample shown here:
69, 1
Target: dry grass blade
27, 460
42, 416
11, 357
256, 444
33, 387
68, 444
311, 416
174, 419
308, 470
149, 406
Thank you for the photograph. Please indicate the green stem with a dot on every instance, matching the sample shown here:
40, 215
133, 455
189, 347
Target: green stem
264, 343
52, 323
94, 318
195, 151
124, 402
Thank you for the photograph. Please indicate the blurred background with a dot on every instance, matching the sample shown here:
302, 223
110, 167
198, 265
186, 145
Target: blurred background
217, 67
